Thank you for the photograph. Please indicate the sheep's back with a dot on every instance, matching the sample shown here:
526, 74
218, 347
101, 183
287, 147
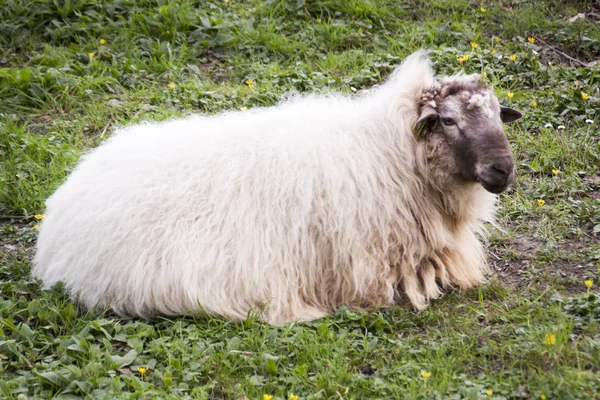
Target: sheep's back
206, 208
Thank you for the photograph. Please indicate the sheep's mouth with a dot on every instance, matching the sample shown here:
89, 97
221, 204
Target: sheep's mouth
493, 188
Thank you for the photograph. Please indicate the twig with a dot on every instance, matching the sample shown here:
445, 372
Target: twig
245, 353
564, 54
306, 11
105, 128
353, 37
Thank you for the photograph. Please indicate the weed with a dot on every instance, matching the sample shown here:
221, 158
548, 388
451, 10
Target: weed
71, 71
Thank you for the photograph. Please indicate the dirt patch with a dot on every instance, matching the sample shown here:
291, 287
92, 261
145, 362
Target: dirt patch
526, 244
212, 66
16, 238
593, 180
40, 124
553, 52
520, 263
565, 276
579, 246
512, 272
592, 12
508, 4
593, 186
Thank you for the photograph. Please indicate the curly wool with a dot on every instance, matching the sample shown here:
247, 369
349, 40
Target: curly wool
292, 211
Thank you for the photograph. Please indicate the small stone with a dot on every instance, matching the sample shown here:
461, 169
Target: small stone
367, 370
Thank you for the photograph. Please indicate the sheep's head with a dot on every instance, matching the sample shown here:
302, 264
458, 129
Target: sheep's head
462, 123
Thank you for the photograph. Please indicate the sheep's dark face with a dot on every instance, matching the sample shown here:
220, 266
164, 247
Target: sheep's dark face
463, 125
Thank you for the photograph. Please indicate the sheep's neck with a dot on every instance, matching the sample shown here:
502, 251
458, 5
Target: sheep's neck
453, 204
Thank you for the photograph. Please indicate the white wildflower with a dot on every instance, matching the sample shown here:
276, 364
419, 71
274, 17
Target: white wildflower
589, 121
560, 127
548, 125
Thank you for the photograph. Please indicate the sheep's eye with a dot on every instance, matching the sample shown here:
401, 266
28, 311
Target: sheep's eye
448, 121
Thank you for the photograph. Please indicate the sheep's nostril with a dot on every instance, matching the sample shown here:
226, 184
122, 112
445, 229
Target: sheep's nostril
502, 170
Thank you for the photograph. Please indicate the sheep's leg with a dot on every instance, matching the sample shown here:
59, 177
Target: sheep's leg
412, 288
303, 313
465, 265
441, 273
391, 284
309, 313
430, 287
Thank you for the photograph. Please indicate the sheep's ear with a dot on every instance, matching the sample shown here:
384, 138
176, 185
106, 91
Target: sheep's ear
426, 122
507, 114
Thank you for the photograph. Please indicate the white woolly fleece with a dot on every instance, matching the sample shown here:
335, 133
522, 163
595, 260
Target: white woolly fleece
297, 209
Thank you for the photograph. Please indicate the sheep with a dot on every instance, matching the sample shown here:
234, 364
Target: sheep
289, 211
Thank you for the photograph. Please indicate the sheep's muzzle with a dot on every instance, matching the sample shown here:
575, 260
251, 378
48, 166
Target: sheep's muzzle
497, 173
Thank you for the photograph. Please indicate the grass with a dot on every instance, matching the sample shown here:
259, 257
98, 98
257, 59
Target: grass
73, 70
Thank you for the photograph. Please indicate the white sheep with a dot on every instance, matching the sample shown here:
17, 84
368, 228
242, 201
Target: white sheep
292, 210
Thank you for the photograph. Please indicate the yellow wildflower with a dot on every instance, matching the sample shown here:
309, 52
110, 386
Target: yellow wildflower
267, 397
36, 226
91, 55
102, 41
550, 339
543, 397
292, 397
585, 96
142, 370
473, 44
484, 74
556, 171
588, 283
226, 1
425, 374
534, 103
250, 84
489, 393
531, 39
497, 40
318, 20
493, 52
463, 58
171, 85
576, 83
510, 95
243, 108
39, 216
482, 10
540, 202
512, 58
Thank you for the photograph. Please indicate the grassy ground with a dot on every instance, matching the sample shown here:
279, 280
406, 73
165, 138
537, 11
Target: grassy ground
70, 71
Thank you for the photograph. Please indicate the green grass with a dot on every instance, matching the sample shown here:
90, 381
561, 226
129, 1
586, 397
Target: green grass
73, 70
